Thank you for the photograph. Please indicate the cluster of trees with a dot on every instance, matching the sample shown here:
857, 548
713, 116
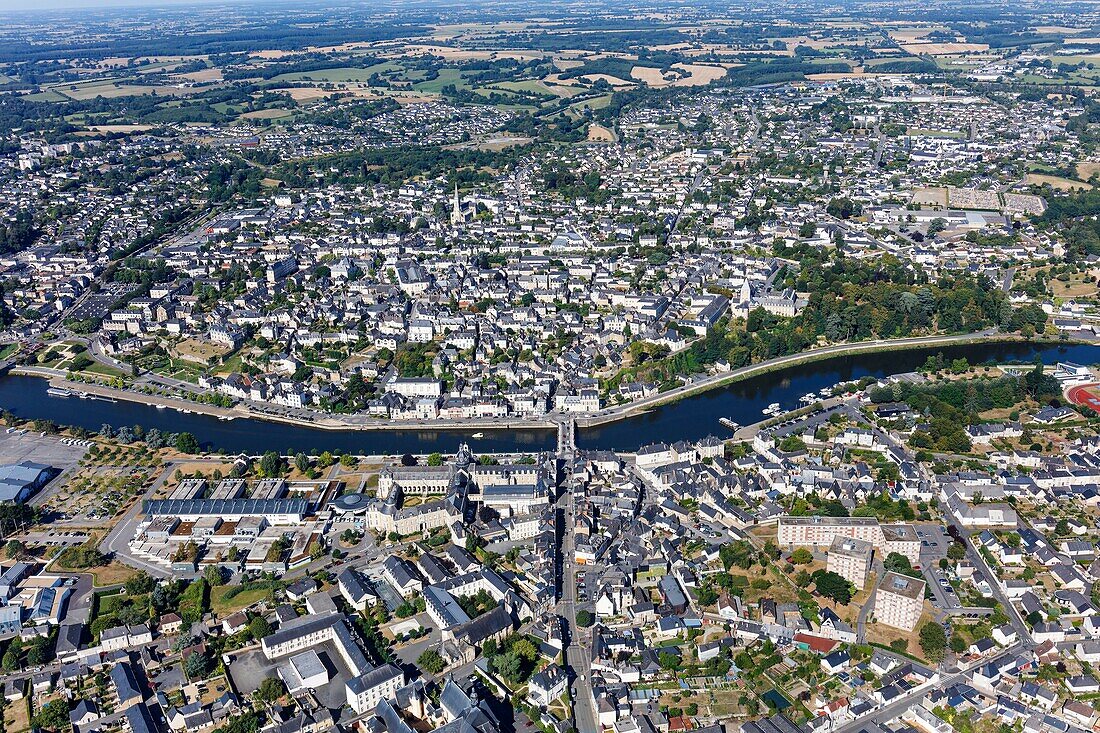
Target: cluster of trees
778, 71
153, 438
54, 715
431, 662
513, 659
897, 563
415, 360
36, 652
570, 186
396, 165
953, 405
832, 585
477, 604
82, 557
849, 301
18, 234
933, 641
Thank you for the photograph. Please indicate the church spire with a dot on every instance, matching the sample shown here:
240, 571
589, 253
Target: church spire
456, 208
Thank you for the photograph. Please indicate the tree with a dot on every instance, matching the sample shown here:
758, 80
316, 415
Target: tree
956, 551
270, 690
54, 715
435, 459
140, 583
301, 462
792, 444
897, 563
271, 464
213, 575
933, 641
802, 556
706, 596
14, 549
832, 585
10, 660
196, 666
39, 653
431, 662
259, 627
668, 661
187, 443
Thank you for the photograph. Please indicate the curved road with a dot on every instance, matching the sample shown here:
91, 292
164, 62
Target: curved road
715, 380
312, 419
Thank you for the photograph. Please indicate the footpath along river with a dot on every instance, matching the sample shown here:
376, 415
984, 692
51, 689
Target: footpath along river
690, 418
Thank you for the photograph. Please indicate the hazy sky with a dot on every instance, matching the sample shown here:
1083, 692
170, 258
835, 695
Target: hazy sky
61, 4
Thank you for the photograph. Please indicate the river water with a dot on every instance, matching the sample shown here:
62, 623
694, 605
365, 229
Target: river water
689, 419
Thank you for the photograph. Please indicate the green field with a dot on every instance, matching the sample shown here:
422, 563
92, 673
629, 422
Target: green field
47, 96
342, 75
446, 76
592, 103
528, 85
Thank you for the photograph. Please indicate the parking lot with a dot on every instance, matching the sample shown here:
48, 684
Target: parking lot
26, 445
934, 542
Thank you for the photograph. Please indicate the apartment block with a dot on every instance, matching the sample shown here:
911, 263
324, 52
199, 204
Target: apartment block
851, 559
899, 601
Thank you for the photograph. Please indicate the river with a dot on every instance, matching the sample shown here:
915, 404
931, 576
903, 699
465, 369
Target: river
688, 419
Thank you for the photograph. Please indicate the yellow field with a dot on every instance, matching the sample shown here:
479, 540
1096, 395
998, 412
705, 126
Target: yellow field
198, 350
1056, 182
649, 75
202, 76
108, 90
599, 133
612, 80
1085, 169
944, 49
266, 114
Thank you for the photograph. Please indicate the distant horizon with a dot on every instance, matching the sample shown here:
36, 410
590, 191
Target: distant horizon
52, 5
32, 5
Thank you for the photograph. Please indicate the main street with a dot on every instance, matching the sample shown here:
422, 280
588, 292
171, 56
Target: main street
577, 653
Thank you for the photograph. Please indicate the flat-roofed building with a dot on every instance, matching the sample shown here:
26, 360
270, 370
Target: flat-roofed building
899, 601
850, 559
902, 539
818, 532
275, 511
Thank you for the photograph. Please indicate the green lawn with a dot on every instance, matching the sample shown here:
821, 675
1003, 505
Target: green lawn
222, 606
232, 364
8, 350
179, 369
105, 370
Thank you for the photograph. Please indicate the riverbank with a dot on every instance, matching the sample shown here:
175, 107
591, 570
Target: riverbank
806, 357
691, 419
244, 411
605, 417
